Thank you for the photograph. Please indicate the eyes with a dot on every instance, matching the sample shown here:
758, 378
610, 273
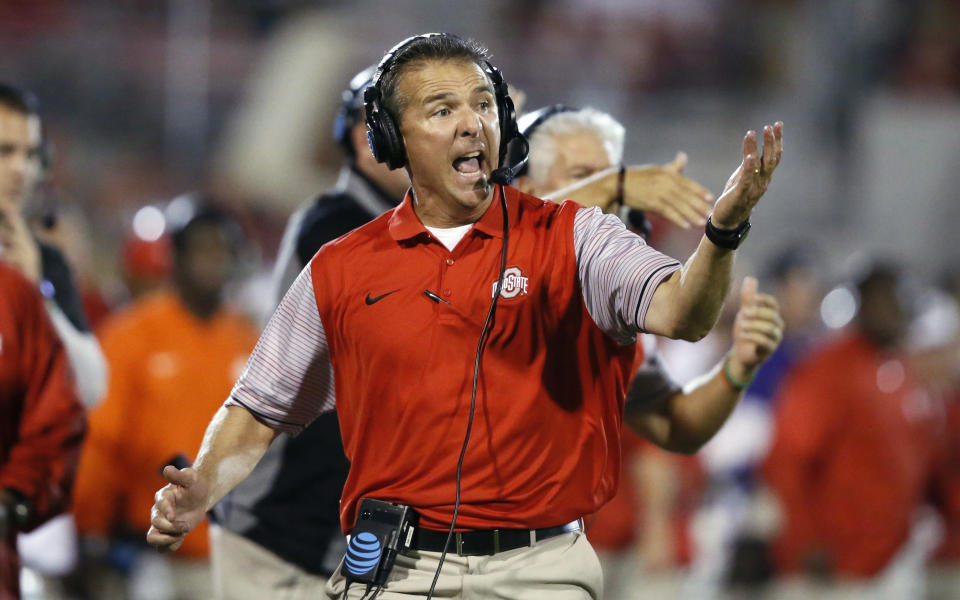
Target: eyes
483, 106
581, 172
9, 150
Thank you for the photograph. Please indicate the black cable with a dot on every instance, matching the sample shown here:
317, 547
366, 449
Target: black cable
473, 396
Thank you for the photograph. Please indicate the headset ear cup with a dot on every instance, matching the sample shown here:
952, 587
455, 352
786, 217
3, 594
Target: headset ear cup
508, 125
395, 153
375, 136
505, 110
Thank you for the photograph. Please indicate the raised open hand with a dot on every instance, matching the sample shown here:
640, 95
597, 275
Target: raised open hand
750, 180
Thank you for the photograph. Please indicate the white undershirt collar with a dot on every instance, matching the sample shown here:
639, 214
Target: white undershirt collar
449, 236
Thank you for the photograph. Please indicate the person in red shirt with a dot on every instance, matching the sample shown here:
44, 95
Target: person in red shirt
392, 325
42, 421
852, 453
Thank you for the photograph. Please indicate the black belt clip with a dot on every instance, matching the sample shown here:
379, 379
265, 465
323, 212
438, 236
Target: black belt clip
382, 529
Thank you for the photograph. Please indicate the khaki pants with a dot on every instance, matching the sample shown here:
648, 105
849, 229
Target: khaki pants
564, 567
245, 570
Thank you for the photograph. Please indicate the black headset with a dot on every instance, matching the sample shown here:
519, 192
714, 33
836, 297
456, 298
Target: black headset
383, 133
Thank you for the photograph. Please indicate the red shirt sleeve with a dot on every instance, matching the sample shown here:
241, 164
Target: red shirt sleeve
42, 461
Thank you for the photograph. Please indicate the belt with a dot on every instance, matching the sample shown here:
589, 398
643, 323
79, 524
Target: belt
487, 541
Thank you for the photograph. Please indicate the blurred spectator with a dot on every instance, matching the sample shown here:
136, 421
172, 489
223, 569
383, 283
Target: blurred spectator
851, 459
21, 166
731, 528
642, 535
24, 159
260, 544
41, 421
173, 351
934, 345
145, 264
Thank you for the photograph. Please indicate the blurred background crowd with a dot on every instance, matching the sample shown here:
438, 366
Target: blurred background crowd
853, 426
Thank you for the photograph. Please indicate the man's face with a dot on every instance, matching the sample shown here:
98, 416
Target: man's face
451, 131
882, 316
579, 155
206, 261
19, 155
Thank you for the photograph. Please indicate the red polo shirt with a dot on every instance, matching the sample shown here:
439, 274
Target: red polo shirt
358, 332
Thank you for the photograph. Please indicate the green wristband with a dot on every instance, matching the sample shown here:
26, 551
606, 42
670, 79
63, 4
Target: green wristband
735, 383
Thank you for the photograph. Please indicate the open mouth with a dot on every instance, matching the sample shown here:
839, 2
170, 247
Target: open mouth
469, 165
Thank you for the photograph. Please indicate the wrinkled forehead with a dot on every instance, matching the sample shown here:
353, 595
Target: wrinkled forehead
582, 146
424, 78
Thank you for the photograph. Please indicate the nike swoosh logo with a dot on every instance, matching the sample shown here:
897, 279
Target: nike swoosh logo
376, 299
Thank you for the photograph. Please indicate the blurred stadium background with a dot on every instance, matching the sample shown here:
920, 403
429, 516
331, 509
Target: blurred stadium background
143, 100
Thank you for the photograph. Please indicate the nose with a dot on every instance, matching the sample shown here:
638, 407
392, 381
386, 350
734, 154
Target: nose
470, 124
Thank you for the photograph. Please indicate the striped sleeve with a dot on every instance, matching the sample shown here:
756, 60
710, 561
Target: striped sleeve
288, 380
618, 273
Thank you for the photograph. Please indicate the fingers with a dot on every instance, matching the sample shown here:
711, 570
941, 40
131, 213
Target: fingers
182, 477
749, 146
764, 345
164, 541
669, 211
759, 323
748, 291
687, 202
678, 164
164, 502
758, 329
165, 533
772, 147
692, 206
160, 518
693, 189
764, 329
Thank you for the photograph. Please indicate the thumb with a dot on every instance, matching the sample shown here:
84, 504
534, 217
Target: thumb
678, 164
183, 477
748, 291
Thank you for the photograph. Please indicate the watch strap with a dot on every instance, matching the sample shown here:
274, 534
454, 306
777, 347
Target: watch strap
727, 238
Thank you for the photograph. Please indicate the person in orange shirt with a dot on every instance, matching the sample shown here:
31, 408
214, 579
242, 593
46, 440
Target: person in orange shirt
851, 458
176, 351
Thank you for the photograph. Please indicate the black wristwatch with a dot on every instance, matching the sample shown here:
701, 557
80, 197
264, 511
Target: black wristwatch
727, 238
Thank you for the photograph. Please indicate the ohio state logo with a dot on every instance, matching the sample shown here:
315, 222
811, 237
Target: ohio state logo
514, 284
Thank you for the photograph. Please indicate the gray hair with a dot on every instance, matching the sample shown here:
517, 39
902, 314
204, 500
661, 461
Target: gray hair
420, 49
543, 147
